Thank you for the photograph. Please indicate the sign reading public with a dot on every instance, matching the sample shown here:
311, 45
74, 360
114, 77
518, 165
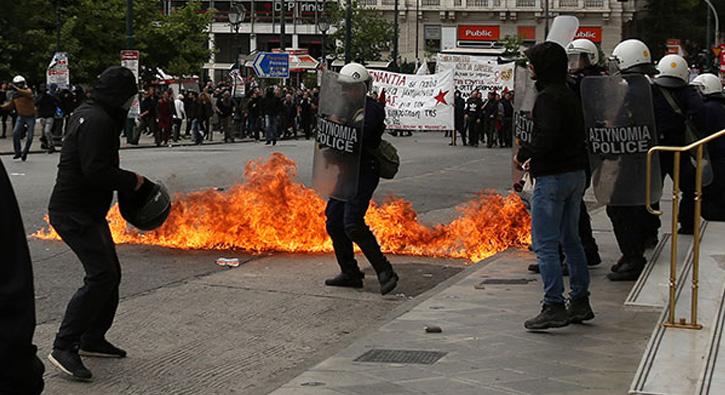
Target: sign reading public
478, 33
271, 65
416, 102
58, 73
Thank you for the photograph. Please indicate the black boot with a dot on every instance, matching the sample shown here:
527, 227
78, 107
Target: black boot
344, 279
70, 363
388, 280
593, 258
580, 310
628, 270
551, 316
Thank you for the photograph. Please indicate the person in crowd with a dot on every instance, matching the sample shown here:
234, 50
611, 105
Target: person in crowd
46, 104
288, 117
507, 117
474, 117
4, 91
271, 108
206, 110
179, 116
307, 115
459, 108
21, 100
148, 116
225, 107
489, 113
193, 115
165, 110
254, 114
188, 99
556, 157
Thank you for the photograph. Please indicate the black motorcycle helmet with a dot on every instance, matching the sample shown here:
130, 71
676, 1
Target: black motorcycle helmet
147, 208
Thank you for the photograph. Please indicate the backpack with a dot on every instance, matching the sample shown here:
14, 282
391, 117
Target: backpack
388, 160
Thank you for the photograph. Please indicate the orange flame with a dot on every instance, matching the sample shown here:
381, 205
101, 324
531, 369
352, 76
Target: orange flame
273, 212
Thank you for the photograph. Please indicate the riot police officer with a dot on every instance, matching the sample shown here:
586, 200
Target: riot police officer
677, 106
346, 219
632, 224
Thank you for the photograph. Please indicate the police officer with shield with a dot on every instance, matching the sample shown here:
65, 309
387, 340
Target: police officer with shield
620, 125
88, 174
350, 128
678, 112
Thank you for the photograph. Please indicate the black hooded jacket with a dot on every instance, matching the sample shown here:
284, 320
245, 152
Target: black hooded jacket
88, 171
558, 140
20, 370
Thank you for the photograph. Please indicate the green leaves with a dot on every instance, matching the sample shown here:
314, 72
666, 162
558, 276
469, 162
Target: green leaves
94, 32
372, 34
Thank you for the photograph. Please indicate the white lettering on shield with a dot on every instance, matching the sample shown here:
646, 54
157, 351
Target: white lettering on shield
620, 140
336, 136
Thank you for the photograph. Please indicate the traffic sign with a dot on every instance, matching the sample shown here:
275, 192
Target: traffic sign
271, 65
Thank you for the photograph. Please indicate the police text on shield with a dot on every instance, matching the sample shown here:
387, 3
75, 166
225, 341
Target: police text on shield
620, 140
336, 136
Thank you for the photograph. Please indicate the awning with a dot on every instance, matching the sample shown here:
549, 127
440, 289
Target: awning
298, 63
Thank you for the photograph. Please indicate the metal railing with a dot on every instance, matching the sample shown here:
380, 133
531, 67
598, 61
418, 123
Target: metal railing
525, 3
430, 3
476, 3
569, 3
700, 146
594, 3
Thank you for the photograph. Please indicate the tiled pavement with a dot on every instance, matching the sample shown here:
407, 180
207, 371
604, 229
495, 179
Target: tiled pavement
488, 350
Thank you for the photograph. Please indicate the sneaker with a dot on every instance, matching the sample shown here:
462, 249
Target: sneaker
101, 349
616, 266
579, 310
551, 316
16, 157
628, 270
24, 157
70, 363
348, 280
388, 281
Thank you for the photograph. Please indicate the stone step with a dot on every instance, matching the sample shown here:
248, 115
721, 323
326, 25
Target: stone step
676, 360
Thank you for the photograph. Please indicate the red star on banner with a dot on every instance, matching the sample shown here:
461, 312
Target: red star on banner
441, 97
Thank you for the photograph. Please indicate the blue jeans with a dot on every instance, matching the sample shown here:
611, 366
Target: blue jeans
18, 132
555, 220
198, 137
271, 127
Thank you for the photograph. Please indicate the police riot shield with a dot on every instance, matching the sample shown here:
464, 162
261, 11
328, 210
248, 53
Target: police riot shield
620, 129
563, 30
338, 145
524, 99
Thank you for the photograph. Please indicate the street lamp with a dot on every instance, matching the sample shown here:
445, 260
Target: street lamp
236, 17
324, 25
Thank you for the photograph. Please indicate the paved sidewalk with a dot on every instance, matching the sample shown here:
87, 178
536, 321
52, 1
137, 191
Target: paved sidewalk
487, 349
6, 144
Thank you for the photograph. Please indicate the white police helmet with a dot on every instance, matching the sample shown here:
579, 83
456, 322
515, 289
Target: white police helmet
708, 84
18, 79
674, 72
355, 72
583, 46
633, 56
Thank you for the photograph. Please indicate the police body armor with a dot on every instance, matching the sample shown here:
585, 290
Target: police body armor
620, 129
336, 163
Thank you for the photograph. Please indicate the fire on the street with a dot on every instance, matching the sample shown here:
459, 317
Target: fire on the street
271, 211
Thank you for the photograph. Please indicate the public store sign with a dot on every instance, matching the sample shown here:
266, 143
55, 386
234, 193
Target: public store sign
129, 60
478, 33
58, 73
591, 33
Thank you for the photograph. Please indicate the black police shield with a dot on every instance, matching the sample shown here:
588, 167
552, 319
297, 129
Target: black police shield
524, 99
338, 146
620, 129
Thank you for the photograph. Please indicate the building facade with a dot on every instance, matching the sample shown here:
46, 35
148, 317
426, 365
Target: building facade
425, 26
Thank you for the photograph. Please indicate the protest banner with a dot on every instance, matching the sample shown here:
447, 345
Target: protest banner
477, 72
58, 73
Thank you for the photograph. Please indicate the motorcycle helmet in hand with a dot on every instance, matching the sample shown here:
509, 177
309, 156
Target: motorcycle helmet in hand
147, 208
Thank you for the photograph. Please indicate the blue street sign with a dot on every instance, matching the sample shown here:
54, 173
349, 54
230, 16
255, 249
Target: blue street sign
271, 65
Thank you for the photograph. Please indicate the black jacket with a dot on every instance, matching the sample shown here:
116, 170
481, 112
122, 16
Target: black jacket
88, 171
373, 129
46, 105
20, 370
558, 139
670, 125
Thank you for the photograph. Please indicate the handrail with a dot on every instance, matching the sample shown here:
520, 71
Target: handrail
682, 323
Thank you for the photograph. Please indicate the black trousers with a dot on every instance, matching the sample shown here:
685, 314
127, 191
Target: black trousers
91, 310
632, 227
22, 373
475, 126
346, 225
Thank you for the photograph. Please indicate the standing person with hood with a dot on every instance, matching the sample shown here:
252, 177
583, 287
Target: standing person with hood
21, 372
21, 100
556, 157
459, 118
88, 174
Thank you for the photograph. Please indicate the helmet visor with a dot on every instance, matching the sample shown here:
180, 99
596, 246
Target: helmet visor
577, 62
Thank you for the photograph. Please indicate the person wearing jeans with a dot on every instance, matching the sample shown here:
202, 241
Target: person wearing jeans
556, 157
22, 101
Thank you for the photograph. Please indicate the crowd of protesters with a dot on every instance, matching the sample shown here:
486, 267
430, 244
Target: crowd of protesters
482, 121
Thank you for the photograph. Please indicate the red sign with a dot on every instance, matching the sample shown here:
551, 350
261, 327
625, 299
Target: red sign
722, 58
673, 42
129, 54
591, 33
478, 33
527, 33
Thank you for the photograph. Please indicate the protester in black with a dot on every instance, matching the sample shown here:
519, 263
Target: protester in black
88, 174
21, 372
